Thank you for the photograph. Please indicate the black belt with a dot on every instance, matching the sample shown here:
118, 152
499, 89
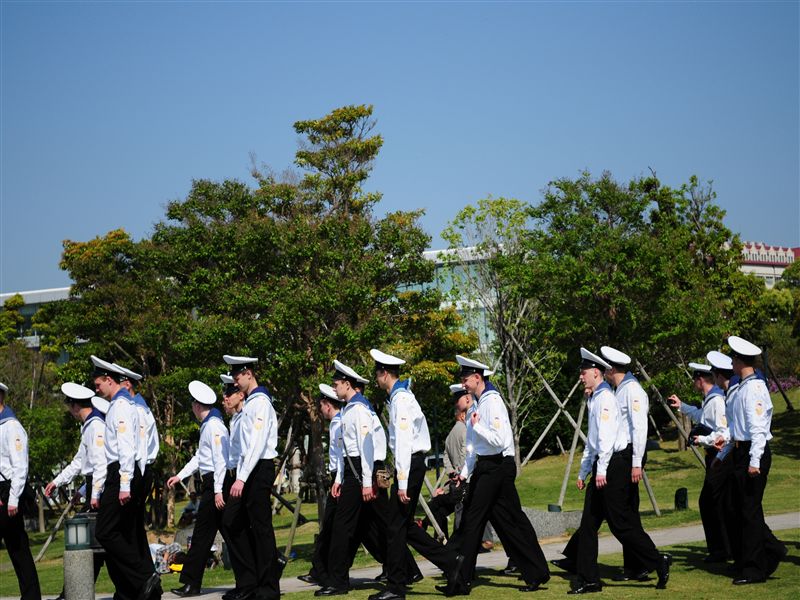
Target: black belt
741, 444
231, 472
491, 457
419, 454
625, 450
206, 476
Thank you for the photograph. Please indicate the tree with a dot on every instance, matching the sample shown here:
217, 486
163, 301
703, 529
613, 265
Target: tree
10, 318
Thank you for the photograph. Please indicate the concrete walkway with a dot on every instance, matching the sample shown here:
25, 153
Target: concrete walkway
552, 547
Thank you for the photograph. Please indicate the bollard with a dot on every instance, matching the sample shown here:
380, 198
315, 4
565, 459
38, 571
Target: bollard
681, 499
78, 559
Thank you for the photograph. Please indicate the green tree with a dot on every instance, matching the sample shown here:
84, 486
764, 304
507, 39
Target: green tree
10, 319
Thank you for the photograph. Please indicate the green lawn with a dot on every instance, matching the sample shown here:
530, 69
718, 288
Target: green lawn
539, 485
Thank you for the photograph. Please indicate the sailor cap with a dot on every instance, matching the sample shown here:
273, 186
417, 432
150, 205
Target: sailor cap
101, 404
385, 361
719, 361
470, 366
76, 392
202, 393
342, 371
103, 368
228, 385
328, 393
590, 360
226, 379
457, 390
741, 347
239, 363
615, 357
3, 388
128, 374
699, 367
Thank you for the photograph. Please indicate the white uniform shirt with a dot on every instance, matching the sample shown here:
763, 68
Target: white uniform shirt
492, 434
334, 441
122, 437
750, 418
212, 451
13, 454
721, 431
408, 430
378, 438
633, 405
235, 440
603, 427
90, 459
357, 438
148, 432
259, 432
711, 413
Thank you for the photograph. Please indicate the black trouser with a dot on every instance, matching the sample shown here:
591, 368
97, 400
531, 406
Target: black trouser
344, 532
145, 489
117, 532
234, 529
493, 495
12, 532
401, 530
712, 511
319, 560
611, 504
630, 560
755, 547
441, 507
207, 521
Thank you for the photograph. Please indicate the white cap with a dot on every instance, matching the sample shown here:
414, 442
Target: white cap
347, 372
3, 388
591, 360
76, 391
381, 358
100, 404
328, 392
128, 373
469, 366
699, 367
226, 379
362, 380
742, 347
239, 363
719, 360
102, 367
202, 393
614, 356
458, 389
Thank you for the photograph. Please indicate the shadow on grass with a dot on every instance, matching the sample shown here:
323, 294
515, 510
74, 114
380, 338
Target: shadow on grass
785, 428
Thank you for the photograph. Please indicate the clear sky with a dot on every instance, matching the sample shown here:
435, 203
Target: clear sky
110, 109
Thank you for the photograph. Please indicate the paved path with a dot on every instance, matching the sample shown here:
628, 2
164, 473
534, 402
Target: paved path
493, 560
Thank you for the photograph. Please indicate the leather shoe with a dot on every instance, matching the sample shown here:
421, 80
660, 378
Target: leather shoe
387, 595
186, 591
529, 588
306, 579
747, 581
243, 595
564, 563
415, 578
454, 579
382, 577
455, 591
232, 594
331, 591
628, 576
587, 587
663, 571
153, 582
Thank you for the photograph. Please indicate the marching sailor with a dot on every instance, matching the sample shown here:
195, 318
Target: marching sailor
211, 459
255, 474
492, 495
13, 475
711, 417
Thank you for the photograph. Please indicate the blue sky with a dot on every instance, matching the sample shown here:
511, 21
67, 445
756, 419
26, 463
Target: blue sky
109, 110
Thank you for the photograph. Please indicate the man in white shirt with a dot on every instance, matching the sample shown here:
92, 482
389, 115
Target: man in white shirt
211, 460
711, 415
13, 476
255, 474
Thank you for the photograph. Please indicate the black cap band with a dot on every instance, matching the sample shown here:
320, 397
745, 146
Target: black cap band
590, 364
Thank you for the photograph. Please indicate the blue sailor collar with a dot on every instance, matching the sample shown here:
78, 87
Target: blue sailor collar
488, 389
400, 384
259, 389
360, 399
123, 393
7, 415
139, 400
95, 414
337, 416
601, 387
212, 414
714, 391
625, 380
749, 378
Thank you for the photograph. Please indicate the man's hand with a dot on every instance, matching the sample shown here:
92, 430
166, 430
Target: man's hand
580, 484
719, 443
219, 501
124, 498
367, 494
336, 490
438, 492
236, 488
49, 488
172, 481
753, 471
76, 498
674, 401
636, 474
95, 503
475, 418
600, 481
12, 511
403, 496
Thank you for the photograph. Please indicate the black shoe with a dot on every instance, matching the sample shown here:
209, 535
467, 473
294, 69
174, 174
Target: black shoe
282, 562
564, 563
747, 581
186, 591
628, 576
415, 578
447, 591
529, 588
663, 571
386, 595
232, 594
715, 558
149, 587
331, 591
306, 579
454, 579
587, 587
242, 595
382, 577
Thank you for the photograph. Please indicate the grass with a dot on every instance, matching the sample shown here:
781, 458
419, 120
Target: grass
539, 484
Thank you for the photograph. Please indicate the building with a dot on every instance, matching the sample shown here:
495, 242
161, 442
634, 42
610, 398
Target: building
767, 262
